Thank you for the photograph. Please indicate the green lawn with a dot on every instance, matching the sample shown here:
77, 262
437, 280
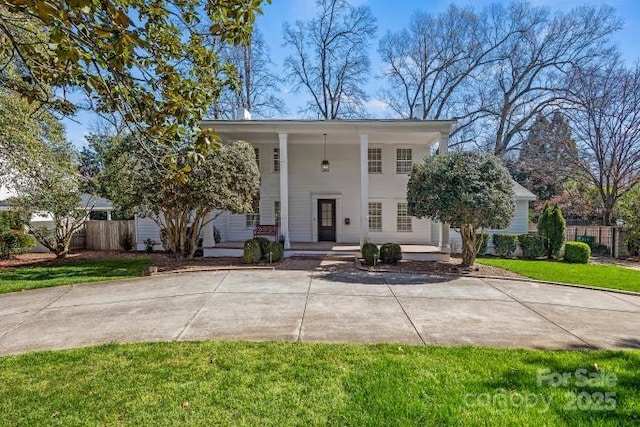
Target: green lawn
225, 383
32, 277
604, 276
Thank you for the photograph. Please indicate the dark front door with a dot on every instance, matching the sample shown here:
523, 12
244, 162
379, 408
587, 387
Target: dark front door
326, 220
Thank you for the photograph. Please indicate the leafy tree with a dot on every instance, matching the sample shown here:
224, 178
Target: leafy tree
147, 63
330, 61
552, 227
544, 165
50, 185
224, 179
469, 191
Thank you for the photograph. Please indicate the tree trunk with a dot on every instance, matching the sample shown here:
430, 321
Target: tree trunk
469, 249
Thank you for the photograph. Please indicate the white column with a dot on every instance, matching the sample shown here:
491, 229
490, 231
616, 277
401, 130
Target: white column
364, 188
443, 148
284, 190
208, 240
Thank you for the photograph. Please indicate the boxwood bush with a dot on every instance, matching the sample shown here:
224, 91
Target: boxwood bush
633, 243
265, 245
505, 245
369, 253
577, 252
277, 251
252, 252
390, 253
532, 245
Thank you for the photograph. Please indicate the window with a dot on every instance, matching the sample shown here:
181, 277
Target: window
253, 218
276, 211
257, 152
375, 160
276, 160
404, 222
403, 160
375, 216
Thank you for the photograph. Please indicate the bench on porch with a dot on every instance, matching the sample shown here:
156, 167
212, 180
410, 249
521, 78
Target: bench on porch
266, 230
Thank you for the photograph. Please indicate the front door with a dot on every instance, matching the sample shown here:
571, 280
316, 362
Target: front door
326, 220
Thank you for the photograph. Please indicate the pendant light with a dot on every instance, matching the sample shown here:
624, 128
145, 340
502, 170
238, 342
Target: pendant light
324, 166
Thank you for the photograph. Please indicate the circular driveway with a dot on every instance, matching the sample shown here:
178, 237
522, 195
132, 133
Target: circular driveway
326, 306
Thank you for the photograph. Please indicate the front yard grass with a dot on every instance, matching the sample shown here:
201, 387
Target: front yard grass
279, 384
59, 274
603, 276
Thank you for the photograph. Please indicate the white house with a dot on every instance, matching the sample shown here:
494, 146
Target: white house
340, 181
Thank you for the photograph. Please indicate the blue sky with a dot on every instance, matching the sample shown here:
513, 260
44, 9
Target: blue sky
392, 15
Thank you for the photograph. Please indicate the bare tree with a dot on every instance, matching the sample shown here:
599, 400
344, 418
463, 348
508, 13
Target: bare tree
541, 49
330, 60
428, 65
259, 85
605, 110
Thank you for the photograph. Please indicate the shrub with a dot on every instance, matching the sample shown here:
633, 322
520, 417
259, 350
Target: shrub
552, 227
532, 245
277, 251
369, 253
148, 245
390, 253
505, 245
126, 241
13, 239
577, 252
633, 243
589, 240
252, 252
264, 245
482, 242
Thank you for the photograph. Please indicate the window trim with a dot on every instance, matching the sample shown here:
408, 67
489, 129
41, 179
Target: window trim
404, 218
370, 216
398, 171
378, 161
276, 159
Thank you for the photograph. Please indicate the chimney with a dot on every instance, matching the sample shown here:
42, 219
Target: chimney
417, 111
243, 114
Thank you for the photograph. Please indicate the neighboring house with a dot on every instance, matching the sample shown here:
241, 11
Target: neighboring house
341, 181
88, 202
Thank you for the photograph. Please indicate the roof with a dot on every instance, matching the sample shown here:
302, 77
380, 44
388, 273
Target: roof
322, 126
522, 193
88, 202
91, 202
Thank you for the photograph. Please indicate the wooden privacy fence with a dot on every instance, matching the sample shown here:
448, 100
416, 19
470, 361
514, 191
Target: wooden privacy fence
106, 235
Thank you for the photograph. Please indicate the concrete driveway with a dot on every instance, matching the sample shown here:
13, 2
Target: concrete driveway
327, 306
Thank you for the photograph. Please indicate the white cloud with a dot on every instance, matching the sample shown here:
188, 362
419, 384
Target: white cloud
376, 108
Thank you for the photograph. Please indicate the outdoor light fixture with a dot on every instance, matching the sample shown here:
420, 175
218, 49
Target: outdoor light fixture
619, 222
324, 166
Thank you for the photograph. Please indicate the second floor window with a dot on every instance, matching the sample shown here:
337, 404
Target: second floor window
404, 160
375, 160
276, 160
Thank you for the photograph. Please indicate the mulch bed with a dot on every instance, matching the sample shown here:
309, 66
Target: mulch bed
438, 267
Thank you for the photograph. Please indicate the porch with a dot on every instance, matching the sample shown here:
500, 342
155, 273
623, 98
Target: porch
347, 250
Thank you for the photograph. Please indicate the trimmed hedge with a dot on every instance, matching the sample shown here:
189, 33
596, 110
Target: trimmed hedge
532, 245
390, 253
369, 253
577, 252
277, 251
483, 239
251, 253
505, 245
265, 245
